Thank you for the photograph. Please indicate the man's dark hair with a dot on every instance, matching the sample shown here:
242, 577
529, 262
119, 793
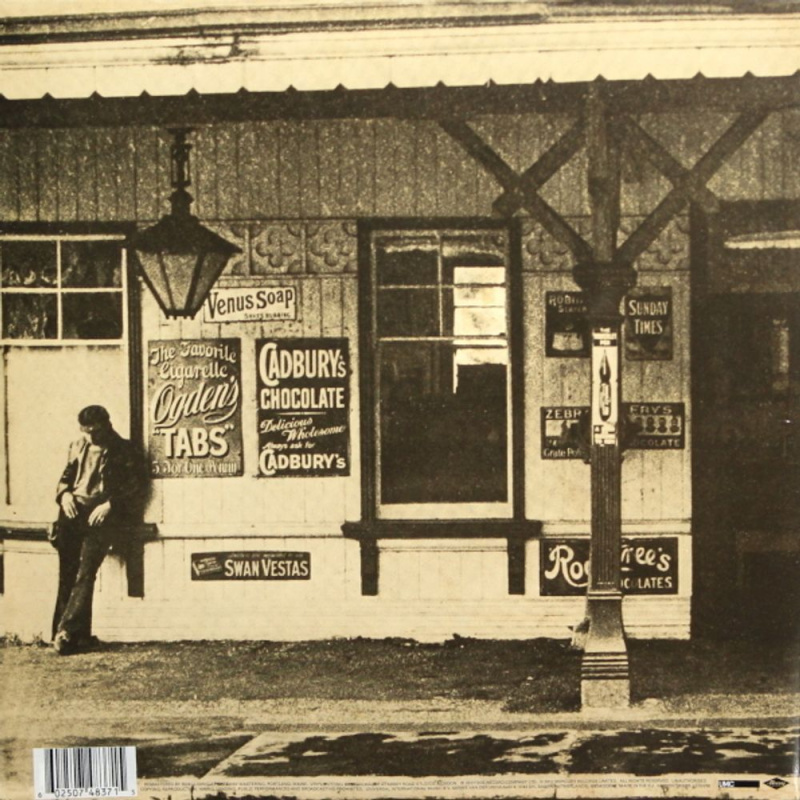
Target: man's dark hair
93, 415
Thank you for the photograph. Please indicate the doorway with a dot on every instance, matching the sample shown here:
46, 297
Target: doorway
746, 415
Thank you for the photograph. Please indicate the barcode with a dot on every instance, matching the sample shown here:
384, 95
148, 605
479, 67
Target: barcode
84, 772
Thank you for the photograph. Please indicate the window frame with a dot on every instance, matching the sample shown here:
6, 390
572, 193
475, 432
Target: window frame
416, 514
58, 237
131, 342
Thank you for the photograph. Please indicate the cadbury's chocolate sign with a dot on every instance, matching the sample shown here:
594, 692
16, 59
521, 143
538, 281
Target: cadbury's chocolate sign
303, 404
194, 408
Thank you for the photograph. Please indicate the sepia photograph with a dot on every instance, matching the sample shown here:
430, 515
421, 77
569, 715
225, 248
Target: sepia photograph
259, 538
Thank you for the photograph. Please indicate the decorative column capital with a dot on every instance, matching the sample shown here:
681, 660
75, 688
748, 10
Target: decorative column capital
604, 284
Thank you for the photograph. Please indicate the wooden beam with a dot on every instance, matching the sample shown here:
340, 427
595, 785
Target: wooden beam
721, 95
517, 194
603, 177
651, 149
545, 167
484, 155
690, 183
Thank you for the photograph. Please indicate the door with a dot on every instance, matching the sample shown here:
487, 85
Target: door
746, 447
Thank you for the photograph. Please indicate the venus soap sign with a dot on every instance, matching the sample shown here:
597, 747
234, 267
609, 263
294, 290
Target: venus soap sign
194, 408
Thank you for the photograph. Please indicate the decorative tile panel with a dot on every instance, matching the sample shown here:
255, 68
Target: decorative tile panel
277, 248
543, 252
331, 247
670, 251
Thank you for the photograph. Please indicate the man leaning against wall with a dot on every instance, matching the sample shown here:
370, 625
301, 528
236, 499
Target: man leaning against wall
100, 497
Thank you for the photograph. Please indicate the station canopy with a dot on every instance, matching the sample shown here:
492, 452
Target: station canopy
79, 49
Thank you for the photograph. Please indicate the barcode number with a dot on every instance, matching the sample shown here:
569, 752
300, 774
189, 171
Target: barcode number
84, 772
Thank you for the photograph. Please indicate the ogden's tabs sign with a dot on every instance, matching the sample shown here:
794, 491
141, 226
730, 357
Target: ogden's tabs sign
303, 407
194, 408
258, 303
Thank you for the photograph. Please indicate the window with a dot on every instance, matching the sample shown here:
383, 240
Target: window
757, 346
442, 378
64, 289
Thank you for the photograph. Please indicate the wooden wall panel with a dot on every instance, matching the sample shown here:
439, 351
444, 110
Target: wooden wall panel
27, 176
8, 176
126, 173
229, 171
108, 172
329, 174
308, 148
67, 177
352, 168
391, 170
426, 172
145, 174
204, 173
86, 173
48, 174
288, 170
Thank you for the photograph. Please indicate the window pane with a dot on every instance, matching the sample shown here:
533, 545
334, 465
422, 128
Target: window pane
91, 264
30, 264
407, 263
408, 312
92, 316
480, 296
479, 249
479, 275
480, 321
443, 423
30, 316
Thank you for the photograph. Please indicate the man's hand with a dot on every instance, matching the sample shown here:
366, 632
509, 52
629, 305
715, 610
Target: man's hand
69, 505
99, 513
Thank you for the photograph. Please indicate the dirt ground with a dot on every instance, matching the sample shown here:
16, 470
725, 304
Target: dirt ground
189, 705
521, 676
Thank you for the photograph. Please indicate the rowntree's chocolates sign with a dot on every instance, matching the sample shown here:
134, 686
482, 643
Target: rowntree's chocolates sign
648, 565
194, 408
303, 407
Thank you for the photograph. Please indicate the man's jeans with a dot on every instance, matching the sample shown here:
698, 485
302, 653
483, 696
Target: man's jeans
81, 550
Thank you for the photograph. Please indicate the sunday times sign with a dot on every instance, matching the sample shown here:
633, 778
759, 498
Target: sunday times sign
303, 400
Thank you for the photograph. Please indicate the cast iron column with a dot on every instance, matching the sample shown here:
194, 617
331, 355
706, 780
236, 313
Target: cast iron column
604, 672
605, 681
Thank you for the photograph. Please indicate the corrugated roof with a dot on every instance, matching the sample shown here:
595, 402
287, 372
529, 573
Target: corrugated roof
508, 43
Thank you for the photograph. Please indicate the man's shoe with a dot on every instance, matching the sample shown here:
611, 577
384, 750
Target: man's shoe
90, 642
62, 644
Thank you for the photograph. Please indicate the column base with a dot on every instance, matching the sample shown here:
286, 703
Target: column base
605, 678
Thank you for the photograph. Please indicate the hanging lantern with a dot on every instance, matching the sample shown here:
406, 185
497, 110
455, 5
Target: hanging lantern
180, 260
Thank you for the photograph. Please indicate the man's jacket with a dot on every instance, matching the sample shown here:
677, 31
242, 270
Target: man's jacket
120, 471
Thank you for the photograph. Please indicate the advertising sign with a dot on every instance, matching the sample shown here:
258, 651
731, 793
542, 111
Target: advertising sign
303, 401
659, 426
605, 386
244, 304
650, 426
561, 432
567, 332
251, 566
648, 324
649, 566
194, 408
